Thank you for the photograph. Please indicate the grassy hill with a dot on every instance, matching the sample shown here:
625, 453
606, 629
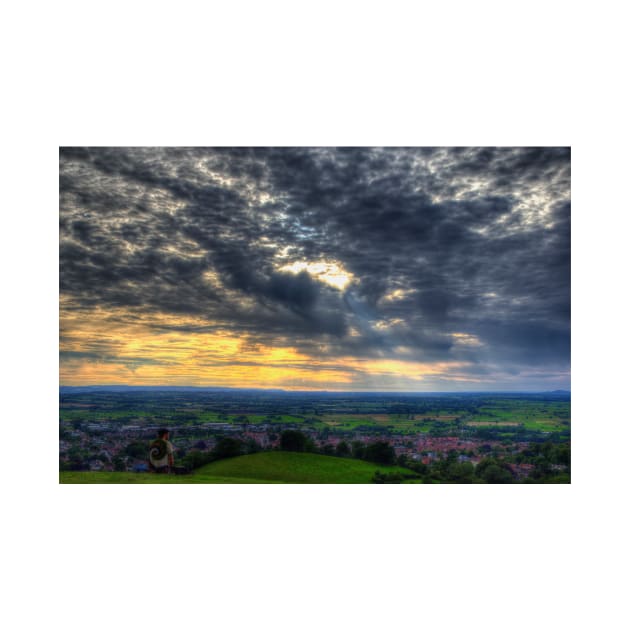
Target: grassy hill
268, 467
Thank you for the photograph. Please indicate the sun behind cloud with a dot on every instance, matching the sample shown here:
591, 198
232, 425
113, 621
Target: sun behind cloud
331, 273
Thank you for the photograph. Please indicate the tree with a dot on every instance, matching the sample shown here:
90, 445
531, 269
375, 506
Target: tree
496, 474
227, 447
563, 454
251, 446
119, 464
292, 440
403, 460
358, 449
492, 470
138, 450
77, 459
380, 453
328, 449
342, 449
460, 472
418, 467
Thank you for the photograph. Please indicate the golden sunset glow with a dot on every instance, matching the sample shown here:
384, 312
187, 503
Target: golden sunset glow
144, 356
138, 354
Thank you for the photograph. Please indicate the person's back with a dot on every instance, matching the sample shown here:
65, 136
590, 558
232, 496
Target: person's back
161, 453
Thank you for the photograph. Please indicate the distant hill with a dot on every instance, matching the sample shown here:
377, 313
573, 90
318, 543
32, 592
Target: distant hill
81, 389
72, 389
267, 467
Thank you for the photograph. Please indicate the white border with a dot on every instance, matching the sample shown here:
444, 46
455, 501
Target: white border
350, 74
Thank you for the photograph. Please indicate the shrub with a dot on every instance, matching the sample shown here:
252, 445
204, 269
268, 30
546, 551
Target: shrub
292, 440
227, 447
380, 453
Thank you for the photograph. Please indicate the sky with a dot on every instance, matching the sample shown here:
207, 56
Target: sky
340, 269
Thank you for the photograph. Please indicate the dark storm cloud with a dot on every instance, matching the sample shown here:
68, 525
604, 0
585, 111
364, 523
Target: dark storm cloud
456, 253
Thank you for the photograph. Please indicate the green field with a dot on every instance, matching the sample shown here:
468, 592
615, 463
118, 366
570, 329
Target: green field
268, 467
397, 416
533, 415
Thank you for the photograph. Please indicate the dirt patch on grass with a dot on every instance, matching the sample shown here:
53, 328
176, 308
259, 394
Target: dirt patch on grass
432, 416
493, 424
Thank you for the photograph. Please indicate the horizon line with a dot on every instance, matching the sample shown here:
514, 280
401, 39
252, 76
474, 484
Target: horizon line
328, 391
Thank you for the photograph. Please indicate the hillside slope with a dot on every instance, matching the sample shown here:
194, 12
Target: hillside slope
297, 468
267, 467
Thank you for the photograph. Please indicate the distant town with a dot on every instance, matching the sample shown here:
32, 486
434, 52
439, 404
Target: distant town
445, 437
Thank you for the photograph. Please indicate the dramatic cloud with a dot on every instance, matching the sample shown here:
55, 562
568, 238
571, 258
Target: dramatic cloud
349, 268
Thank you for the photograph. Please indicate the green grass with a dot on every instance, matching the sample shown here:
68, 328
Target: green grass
268, 467
118, 477
297, 468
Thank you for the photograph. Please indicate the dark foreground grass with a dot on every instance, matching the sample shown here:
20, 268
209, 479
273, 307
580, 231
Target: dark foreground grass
269, 467
127, 477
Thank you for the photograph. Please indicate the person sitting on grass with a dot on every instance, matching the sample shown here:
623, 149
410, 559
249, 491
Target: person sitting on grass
161, 453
